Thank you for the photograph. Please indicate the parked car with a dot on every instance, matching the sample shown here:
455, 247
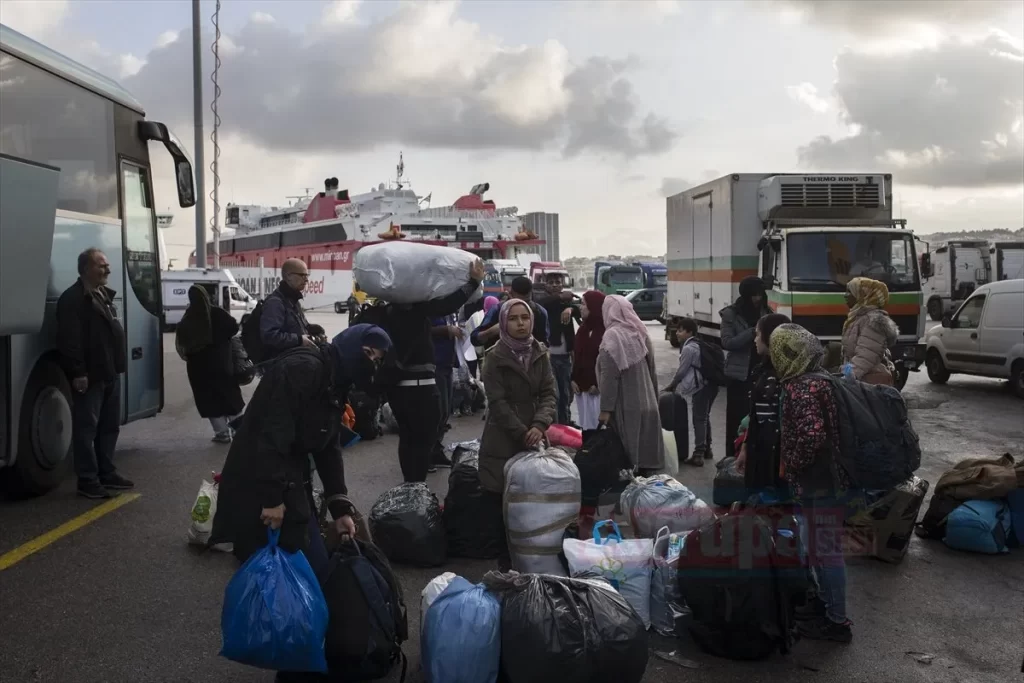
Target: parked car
648, 303
985, 337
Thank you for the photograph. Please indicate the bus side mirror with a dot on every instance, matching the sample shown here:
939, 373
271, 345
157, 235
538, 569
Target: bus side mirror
155, 131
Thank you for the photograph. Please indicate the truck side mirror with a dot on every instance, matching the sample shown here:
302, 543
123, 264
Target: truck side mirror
925, 261
769, 281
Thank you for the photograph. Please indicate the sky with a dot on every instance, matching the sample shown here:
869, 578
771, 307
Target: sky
593, 109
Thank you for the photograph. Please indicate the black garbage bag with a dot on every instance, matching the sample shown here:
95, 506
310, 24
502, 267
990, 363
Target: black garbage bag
560, 630
472, 529
460, 449
406, 524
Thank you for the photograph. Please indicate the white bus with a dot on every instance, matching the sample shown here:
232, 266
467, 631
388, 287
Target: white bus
74, 173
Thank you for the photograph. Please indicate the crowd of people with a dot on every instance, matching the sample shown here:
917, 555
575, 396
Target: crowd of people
536, 353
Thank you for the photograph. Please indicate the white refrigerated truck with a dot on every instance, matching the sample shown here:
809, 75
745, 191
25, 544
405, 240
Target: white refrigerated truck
806, 236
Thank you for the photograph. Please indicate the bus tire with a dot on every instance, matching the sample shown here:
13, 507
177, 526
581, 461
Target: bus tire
44, 433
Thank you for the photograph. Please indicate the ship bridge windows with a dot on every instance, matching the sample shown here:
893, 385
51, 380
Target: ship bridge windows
258, 242
316, 235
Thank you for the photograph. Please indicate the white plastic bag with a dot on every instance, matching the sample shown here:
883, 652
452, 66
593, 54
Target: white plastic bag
432, 590
410, 272
203, 511
671, 452
625, 563
654, 502
667, 603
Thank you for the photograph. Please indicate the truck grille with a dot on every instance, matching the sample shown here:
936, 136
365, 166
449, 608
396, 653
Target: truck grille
834, 195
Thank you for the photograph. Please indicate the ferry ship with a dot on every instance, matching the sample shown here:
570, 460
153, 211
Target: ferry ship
325, 231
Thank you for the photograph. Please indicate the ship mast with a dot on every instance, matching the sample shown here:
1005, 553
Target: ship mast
400, 171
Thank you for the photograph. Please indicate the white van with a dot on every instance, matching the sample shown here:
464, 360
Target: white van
984, 337
219, 284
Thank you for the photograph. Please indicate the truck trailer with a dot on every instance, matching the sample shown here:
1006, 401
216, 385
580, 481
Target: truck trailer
806, 236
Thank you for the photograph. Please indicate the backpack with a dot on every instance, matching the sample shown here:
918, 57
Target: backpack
251, 339
712, 363
878, 447
367, 410
368, 621
744, 610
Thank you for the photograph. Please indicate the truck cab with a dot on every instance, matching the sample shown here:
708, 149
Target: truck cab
951, 272
615, 277
540, 271
654, 274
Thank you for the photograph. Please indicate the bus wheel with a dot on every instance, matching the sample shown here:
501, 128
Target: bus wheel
44, 432
338, 308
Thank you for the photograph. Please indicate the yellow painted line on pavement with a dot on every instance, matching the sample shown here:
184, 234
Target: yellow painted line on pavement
13, 557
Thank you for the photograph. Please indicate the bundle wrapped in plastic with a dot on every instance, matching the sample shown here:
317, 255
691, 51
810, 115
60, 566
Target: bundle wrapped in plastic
561, 630
654, 502
411, 272
460, 639
434, 588
542, 498
406, 525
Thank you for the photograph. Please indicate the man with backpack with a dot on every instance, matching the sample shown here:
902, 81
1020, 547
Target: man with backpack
278, 324
696, 381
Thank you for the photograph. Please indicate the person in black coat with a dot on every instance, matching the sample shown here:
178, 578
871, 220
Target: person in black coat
203, 339
295, 412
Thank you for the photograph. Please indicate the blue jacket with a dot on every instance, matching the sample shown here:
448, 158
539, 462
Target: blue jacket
282, 322
444, 347
541, 326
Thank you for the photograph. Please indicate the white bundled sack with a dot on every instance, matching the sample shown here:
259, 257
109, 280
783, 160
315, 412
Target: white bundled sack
654, 502
437, 585
542, 498
408, 272
625, 563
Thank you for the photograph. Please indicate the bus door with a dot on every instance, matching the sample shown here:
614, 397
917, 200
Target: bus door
143, 381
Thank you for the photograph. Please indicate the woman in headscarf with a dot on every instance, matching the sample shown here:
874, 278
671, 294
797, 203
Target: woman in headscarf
868, 333
203, 340
474, 322
584, 359
738, 321
293, 423
809, 437
627, 381
758, 458
521, 404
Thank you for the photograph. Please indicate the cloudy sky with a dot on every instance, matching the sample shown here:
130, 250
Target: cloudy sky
591, 109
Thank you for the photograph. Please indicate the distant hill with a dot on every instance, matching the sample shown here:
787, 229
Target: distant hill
939, 238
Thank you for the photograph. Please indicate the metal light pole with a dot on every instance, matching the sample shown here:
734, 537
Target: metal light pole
197, 113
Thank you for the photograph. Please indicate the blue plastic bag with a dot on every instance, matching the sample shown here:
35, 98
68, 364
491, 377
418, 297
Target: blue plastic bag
274, 615
461, 635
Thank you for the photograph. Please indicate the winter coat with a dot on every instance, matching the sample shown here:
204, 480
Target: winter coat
738, 342
211, 370
294, 413
517, 399
90, 339
866, 343
631, 397
283, 323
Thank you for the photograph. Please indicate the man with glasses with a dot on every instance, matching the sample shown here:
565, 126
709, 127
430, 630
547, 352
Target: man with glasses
91, 344
283, 325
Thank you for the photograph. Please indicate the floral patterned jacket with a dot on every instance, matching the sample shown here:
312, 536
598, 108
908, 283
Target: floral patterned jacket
809, 418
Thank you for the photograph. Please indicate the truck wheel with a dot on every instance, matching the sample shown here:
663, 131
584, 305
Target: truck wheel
937, 371
44, 433
338, 308
935, 309
1017, 379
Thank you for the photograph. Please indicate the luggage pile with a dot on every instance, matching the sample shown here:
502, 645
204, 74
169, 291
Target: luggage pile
978, 506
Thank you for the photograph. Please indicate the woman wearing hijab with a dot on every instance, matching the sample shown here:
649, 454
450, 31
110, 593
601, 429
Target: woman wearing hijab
627, 381
521, 403
474, 322
294, 420
868, 333
809, 437
758, 458
584, 359
203, 340
738, 321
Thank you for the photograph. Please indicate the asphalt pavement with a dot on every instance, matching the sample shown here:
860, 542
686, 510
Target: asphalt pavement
124, 599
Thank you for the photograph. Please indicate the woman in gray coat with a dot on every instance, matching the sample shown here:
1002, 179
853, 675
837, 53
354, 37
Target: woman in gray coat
627, 380
739, 321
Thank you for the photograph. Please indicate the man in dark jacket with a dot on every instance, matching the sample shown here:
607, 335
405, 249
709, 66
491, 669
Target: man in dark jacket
283, 325
296, 411
486, 334
91, 344
409, 377
447, 336
561, 313
739, 321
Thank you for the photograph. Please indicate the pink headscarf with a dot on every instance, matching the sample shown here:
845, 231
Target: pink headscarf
522, 349
625, 335
489, 303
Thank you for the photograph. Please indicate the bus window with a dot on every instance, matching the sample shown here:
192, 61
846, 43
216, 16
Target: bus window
140, 238
53, 121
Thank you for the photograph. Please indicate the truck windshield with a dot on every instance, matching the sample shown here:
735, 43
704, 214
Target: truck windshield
659, 280
507, 278
826, 262
627, 278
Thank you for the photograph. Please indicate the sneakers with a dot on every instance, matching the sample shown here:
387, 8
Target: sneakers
823, 628
223, 437
117, 483
93, 490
